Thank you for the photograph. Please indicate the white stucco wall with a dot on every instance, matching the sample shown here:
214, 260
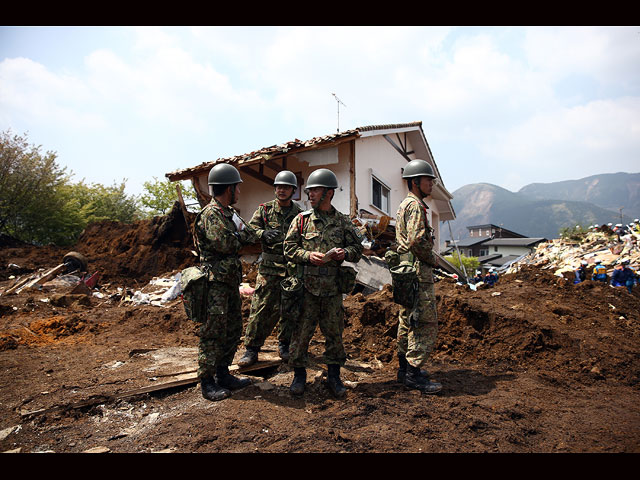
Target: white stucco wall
376, 156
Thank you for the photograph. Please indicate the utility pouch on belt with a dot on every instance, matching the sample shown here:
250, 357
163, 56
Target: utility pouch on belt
291, 298
194, 293
405, 284
346, 279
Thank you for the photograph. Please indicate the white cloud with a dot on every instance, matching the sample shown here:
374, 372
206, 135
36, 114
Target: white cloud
608, 54
570, 143
34, 94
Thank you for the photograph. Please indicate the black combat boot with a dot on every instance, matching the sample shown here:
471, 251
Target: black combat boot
226, 380
414, 379
334, 383
283, 350
211, 390
249, 357
299, 381
402, 369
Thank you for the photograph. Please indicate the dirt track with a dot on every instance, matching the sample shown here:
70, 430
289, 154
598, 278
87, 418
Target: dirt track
534, 364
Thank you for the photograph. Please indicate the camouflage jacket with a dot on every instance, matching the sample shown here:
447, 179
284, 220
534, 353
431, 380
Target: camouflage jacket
317, 231
271, 216
218, 241
414, 235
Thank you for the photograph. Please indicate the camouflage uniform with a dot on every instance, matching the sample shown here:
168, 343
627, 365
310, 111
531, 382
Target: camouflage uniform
218, 241
318, 231
418, 328
265, 303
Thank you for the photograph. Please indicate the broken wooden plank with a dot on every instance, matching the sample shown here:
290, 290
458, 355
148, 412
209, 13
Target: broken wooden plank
47, 276
18, 285
191, 379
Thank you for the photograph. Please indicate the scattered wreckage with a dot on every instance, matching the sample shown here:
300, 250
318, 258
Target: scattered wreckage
564, 255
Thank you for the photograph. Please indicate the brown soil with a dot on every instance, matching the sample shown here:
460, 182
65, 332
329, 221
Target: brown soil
533, 364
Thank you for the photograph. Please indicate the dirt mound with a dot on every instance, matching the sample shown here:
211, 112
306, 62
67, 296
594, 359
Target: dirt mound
128, 254
531, 364
138, 252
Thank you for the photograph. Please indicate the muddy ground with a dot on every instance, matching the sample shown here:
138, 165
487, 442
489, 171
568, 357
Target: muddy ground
533, 364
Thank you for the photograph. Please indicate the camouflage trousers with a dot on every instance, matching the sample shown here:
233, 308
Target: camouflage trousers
329, 314
265, 312
220, 331
418, 328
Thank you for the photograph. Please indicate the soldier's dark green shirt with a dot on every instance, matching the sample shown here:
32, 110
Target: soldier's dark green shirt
218, 243
271, 216
318, 231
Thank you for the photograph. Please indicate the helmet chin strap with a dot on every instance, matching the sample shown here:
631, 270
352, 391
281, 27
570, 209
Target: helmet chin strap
233, 194
416, 181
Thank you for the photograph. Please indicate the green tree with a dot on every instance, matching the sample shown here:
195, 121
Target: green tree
96, 202
29, 185
161, 195
40, 205
471, 264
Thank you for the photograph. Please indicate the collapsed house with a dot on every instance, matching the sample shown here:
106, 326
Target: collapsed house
368, 162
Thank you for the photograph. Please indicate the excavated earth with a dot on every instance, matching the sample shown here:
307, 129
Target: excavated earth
532, 364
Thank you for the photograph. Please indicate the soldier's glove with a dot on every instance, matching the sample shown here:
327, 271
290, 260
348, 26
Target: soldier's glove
271, 236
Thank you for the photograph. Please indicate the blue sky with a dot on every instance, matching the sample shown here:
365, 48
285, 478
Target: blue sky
504, 105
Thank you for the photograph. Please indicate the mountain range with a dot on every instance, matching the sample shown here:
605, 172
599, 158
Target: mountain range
544, 209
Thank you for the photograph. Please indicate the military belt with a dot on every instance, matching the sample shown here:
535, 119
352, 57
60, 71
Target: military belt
313, 270
272, 257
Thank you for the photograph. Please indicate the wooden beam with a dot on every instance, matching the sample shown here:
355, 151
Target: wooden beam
185, 214
203, 198
258, 175
353, 199
47, 276
398, 149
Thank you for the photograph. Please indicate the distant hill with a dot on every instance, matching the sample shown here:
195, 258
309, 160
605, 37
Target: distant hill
543, 209
609, 191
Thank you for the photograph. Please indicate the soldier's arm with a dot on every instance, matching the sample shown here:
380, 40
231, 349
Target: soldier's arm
353, 248
292, 243
418, 235
219, 235
257, 221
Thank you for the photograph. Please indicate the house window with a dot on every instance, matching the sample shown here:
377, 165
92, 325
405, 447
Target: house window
380, 194
495, 249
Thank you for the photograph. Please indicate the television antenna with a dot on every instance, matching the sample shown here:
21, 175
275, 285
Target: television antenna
338, 102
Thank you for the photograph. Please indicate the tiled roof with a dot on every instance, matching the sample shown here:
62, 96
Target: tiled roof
284, 148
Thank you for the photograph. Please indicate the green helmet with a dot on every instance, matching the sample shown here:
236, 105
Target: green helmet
322, 177
224, 174
285, 177
418, 168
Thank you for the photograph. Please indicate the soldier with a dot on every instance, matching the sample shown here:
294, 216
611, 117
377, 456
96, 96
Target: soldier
318, 241
418, 327
271, 221
219, 234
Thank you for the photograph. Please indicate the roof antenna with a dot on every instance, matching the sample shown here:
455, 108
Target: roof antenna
339, 102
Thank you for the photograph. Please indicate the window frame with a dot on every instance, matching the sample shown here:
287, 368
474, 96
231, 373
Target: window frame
373, 176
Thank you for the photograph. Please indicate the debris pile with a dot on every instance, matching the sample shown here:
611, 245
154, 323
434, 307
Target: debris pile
564, 255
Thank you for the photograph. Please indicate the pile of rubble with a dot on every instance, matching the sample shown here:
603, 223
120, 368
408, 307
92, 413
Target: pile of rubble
605, 245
